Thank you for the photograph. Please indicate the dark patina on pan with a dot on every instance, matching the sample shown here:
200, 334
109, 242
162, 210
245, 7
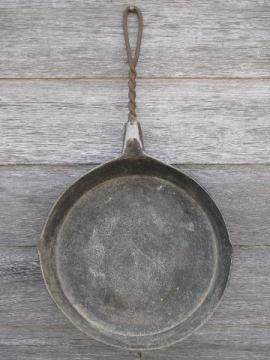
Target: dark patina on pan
135, 253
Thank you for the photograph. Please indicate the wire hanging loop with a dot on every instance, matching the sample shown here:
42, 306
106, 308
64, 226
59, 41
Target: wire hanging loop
132, 60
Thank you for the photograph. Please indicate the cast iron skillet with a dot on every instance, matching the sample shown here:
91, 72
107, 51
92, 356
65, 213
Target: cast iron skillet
135, 253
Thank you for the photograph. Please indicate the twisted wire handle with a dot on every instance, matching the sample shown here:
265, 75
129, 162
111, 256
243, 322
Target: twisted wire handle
132, 60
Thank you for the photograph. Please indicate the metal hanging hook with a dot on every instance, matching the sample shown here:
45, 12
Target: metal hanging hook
132, 60
134, 10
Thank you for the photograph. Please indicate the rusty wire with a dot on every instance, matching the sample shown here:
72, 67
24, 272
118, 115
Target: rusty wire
132, 60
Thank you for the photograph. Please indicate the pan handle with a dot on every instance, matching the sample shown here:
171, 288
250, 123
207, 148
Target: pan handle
133, 140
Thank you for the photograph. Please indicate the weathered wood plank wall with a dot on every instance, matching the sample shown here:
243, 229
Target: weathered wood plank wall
203, 100
83, 38
186, 121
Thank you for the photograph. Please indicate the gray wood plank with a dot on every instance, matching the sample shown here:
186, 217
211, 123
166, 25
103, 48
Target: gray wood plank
241, 192
84, 38
31, 325
184, 121
228, 343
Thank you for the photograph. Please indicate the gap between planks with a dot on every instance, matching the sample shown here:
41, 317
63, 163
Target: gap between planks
121, 78
198, 166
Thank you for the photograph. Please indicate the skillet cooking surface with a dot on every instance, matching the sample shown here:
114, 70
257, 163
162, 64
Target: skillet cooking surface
136, 261
136, 254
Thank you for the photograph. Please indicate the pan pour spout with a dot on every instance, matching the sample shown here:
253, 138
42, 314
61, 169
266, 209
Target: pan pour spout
133, 140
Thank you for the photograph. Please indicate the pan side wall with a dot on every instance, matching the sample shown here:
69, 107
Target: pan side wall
203, 96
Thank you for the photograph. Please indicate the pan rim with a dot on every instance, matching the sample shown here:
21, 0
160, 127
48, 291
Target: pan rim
164, 338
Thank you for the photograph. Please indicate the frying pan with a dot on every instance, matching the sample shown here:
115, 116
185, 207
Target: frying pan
135, 253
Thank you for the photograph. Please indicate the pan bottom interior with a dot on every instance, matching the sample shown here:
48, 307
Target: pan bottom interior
136, 255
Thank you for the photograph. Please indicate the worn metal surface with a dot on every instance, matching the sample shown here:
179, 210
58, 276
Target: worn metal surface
135, 253
218, 127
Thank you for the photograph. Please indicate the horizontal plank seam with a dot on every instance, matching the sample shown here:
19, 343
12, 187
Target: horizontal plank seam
63, 327
118, 78
77, 164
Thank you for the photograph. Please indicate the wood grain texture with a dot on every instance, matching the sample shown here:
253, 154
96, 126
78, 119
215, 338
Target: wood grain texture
75, 115
184, 121
67, 344
31, 322
61, 343
84, 38
25, 301
241, 192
